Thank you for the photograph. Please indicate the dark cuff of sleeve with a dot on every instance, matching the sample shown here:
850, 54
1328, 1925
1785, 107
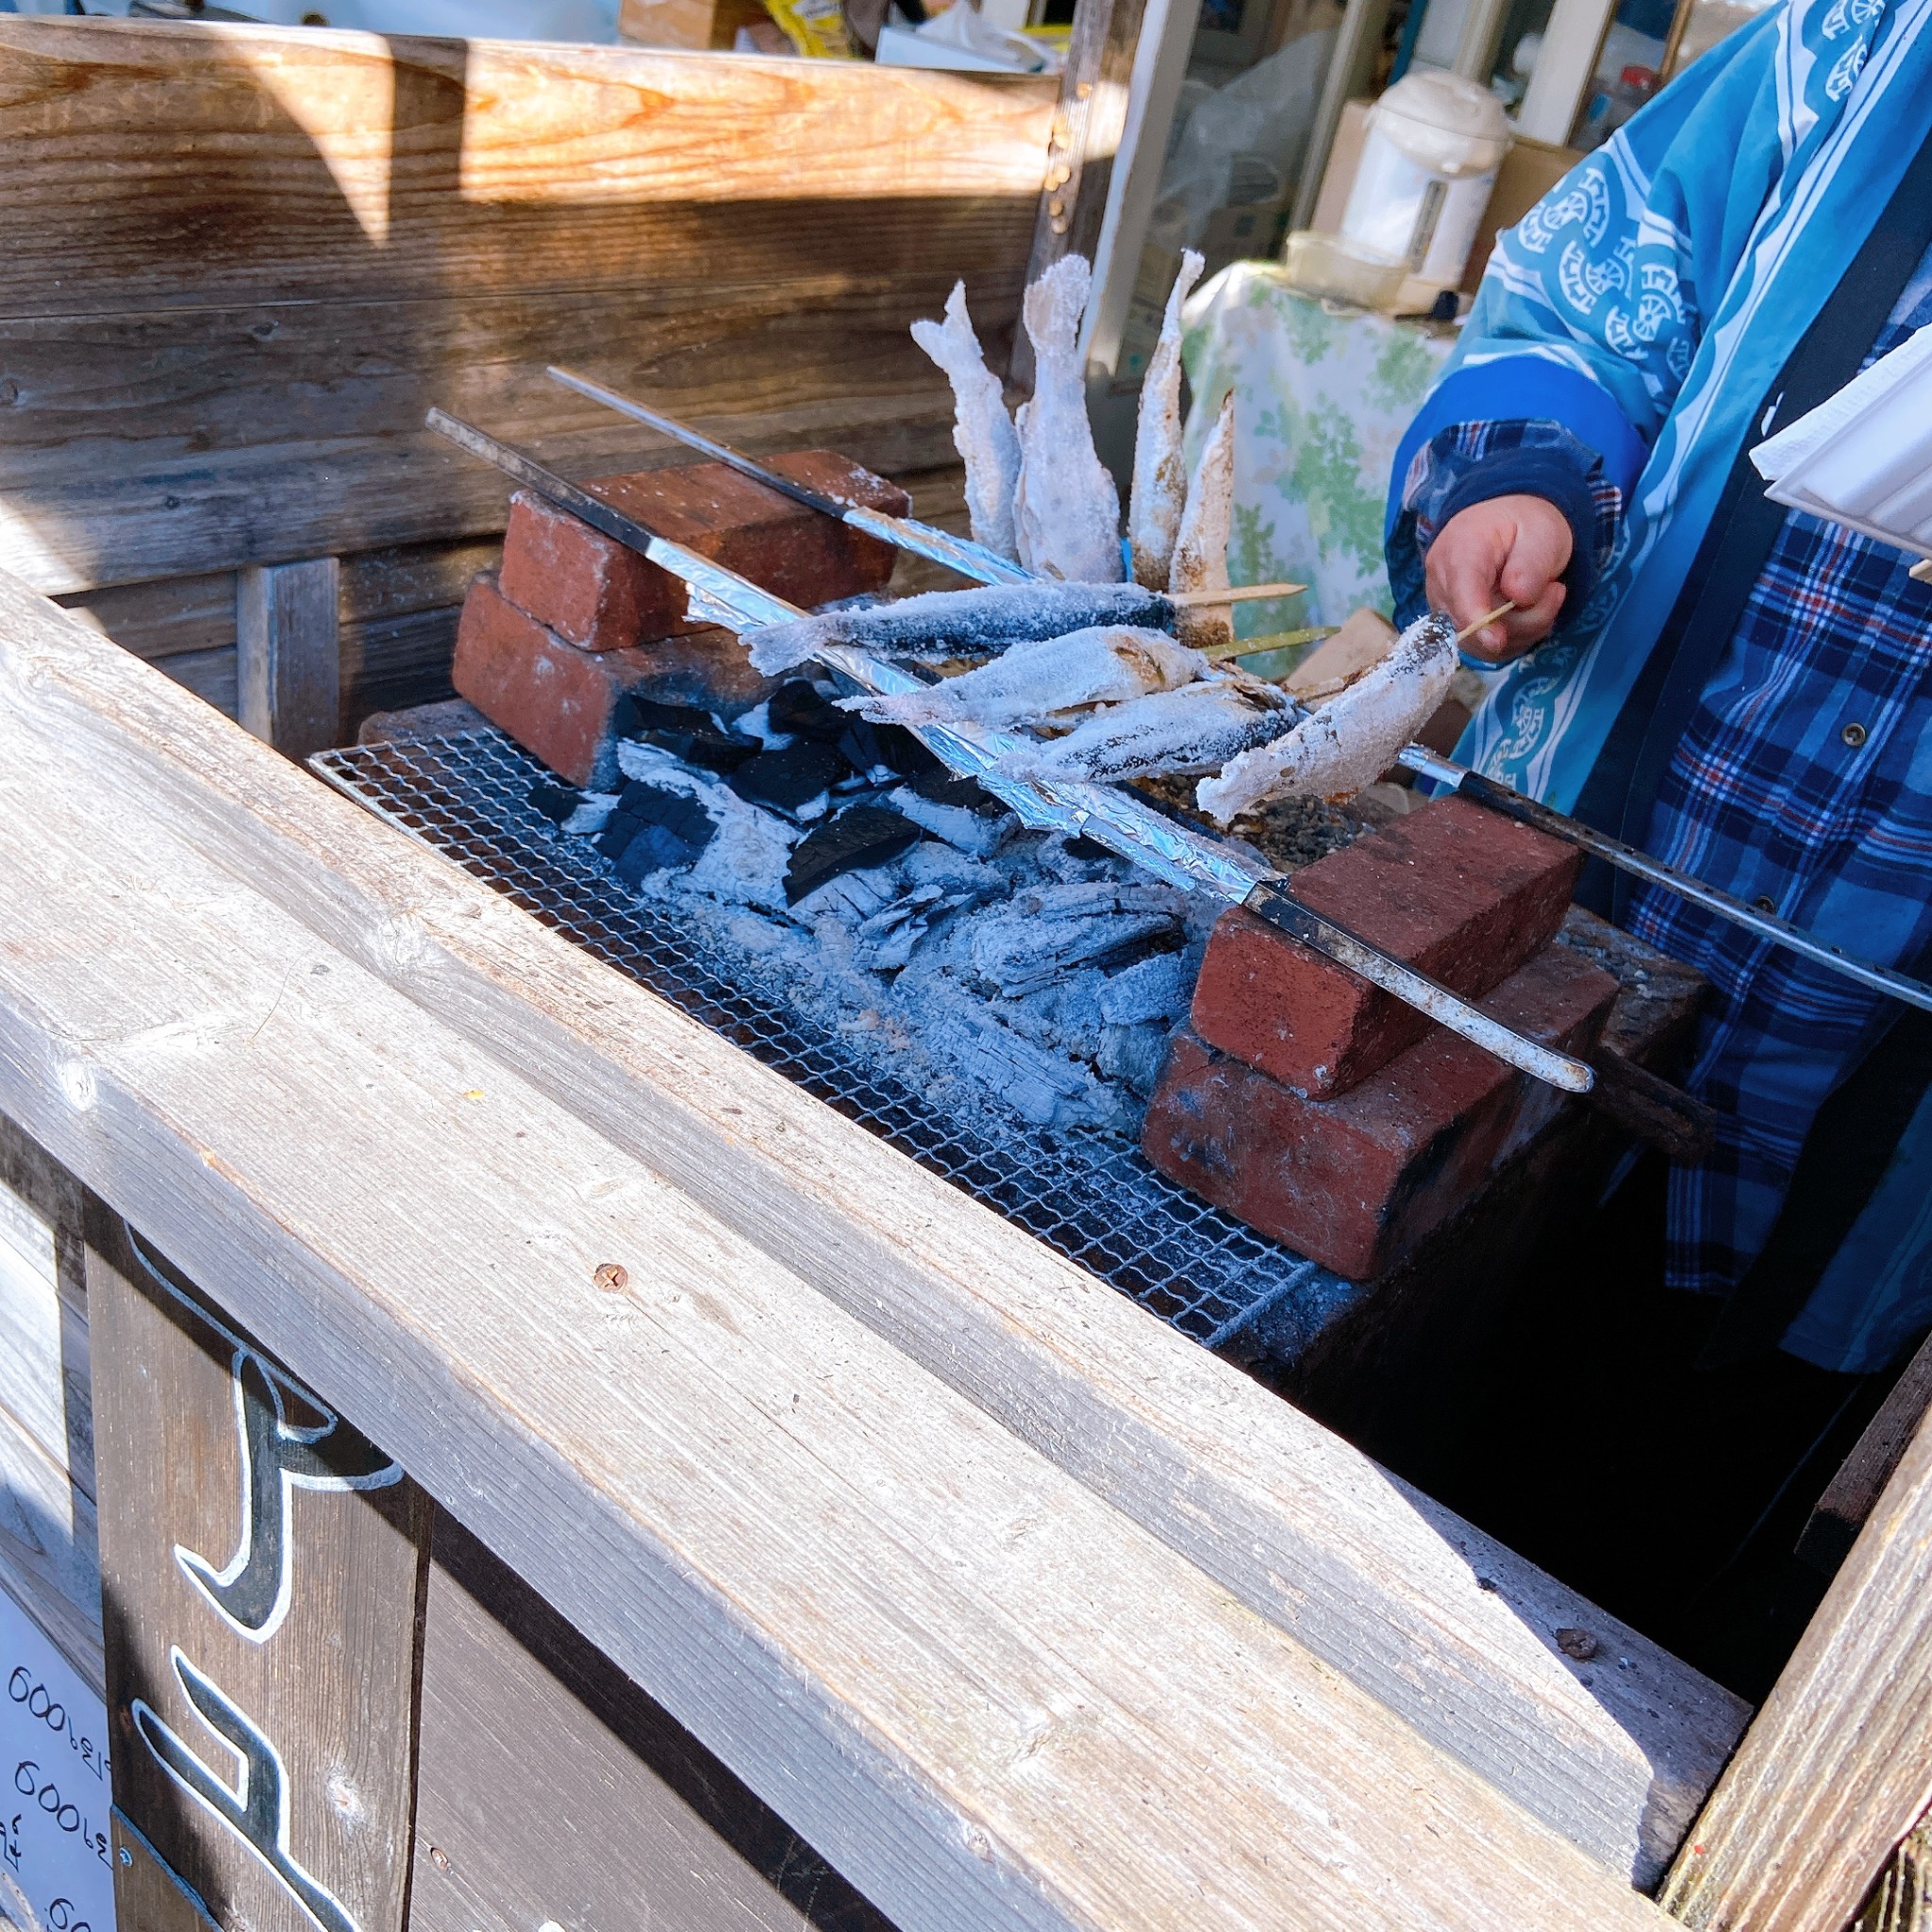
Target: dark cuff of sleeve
1544, 473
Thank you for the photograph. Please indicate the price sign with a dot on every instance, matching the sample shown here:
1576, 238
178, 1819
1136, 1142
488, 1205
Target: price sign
55, 1856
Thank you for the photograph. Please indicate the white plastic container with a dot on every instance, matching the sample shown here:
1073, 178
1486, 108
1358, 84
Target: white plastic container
1428, 162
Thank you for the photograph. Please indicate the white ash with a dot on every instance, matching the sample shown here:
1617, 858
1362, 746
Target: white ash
592, 814
983, 981
745, 864
980, 833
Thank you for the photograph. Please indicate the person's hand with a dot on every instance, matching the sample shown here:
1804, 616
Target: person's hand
1511, 549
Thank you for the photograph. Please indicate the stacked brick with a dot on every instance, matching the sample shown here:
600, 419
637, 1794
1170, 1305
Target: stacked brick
552, 644
1329, 1115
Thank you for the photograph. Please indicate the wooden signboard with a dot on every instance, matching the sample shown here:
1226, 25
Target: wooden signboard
261, 1573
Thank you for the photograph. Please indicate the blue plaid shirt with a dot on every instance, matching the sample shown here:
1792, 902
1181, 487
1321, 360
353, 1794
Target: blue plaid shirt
1804, 783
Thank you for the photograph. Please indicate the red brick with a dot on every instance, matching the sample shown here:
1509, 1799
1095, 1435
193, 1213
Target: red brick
1464, 894
1357, 1181
559, 703
596, 592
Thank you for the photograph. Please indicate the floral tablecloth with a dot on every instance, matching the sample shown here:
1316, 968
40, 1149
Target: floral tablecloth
1322, 396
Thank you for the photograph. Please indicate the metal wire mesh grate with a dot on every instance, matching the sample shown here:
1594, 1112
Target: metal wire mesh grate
1097, 1202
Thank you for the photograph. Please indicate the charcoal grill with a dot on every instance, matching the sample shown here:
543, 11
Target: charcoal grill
1095, 1201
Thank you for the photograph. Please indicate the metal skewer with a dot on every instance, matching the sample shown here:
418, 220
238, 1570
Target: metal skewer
974, 560
1112, 817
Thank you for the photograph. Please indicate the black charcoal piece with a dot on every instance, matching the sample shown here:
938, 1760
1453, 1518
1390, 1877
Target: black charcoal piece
858, 839
556, 802
799, 711
1085, 849
664, 827
684, 731
941, 786
784, 781
867, 746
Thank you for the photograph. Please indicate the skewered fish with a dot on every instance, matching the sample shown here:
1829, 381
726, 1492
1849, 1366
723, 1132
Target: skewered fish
959, 624
1161, 472
1200, 551
1040, 679
983, 433
1353, 738
1067, 510
1195, 729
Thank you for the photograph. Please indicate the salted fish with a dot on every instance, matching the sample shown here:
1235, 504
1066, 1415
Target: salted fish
958, 624
1044, 677
1181, 733
1067, 513
983, 433
1200, 551
1160, 471
1352, 739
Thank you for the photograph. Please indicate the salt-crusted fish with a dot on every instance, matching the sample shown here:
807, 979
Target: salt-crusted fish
983, 433
1040, 679
1200, 551
1197, 728
1161, 472
1350, 740
1067, 510
959, 624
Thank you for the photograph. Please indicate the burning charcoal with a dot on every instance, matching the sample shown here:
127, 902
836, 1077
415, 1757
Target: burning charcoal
1134, 1056
1050, 931
1039, 1086
959, 810
798, 709
1155, 988
556, 802
784, 781
852, 898
654, 830
859, 838
682, 730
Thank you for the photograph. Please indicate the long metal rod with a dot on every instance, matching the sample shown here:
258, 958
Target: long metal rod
961, 554
1116, 819
1471, 785
1767, 925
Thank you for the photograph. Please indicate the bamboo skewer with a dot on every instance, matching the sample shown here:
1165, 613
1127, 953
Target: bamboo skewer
1232, 594
1469, 630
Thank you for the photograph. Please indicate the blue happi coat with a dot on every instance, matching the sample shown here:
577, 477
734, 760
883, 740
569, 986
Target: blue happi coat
1618, 357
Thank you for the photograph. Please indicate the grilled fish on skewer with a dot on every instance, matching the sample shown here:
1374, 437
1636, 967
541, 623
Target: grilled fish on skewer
983, 433
1354, 738
1161, 472
1068, 511
959, 624
1180, 733
1040, 679
1200, 551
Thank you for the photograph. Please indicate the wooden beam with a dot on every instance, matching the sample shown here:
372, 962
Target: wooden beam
288, 654
243, 261
1445, 1627
988, 1696
1849, 1497
1836, 1767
